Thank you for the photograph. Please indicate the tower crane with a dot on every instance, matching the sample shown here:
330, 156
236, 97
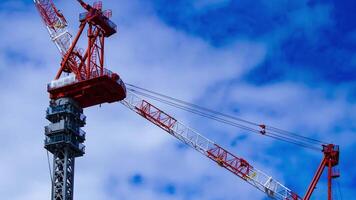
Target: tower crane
55, 23
82, 81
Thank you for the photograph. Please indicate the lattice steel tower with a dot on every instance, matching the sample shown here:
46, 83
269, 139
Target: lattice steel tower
64, 139
82, 81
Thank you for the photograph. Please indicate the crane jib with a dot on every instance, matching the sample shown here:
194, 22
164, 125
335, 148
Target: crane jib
55, 23
224, 158
93, 84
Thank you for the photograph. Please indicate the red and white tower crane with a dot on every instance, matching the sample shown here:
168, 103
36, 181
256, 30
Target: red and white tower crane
210, 149
55, 23
83, 81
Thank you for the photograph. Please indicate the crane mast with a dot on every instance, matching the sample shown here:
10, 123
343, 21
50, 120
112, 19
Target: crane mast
83, 81
330, 160
221, 156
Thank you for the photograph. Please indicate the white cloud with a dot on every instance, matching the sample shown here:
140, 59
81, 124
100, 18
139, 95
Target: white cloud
119, 143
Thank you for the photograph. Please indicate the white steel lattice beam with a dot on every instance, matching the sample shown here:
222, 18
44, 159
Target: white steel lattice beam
55, 23
192, 138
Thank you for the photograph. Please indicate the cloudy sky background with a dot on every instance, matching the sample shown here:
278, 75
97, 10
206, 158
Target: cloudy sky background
290, 64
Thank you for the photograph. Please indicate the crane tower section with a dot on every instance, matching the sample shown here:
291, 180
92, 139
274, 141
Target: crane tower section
64, 139
82, 75
81, 81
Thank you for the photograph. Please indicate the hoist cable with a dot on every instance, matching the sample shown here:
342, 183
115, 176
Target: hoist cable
49, 168
228, 122
270, 128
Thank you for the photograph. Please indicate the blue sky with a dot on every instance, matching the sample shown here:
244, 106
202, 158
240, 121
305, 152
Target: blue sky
287, 63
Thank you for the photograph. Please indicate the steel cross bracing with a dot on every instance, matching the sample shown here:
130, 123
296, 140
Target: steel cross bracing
63, 175
64, 139
86, 84
55, 23
234, 164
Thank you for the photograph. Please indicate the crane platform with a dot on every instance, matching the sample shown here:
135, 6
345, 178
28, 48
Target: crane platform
106, 88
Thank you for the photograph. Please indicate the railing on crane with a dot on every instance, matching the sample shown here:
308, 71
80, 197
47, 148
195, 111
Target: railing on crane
88, 80
82, 75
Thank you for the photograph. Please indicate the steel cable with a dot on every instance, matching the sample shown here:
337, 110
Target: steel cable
228, 122
270, 128
49, 167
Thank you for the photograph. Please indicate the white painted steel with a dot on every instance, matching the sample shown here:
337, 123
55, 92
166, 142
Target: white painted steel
192, 138
59, 34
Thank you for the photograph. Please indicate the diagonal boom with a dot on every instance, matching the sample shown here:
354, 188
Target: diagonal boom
221, 156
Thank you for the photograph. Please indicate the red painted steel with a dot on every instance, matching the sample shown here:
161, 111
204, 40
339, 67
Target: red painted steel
94, 91
49, 13
330, 160
225, 159
156, 116
315, 180
94, 85
237, 166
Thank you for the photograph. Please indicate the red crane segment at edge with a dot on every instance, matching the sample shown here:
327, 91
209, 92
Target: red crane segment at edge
50, 15
229, 161
55, 23
93, 84
156, 116
331, 159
